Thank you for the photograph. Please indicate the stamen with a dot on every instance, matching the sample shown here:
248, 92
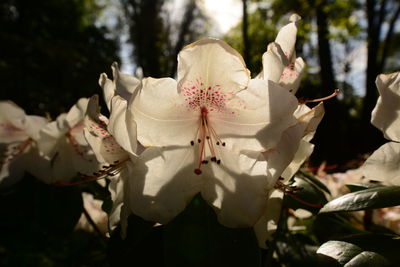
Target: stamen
335, 93
292, 190
206, 135
107, 170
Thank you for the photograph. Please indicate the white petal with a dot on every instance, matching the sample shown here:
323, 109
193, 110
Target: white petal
286, 37
292, 74
383, 164
117, 188
61, 162
237, 189
103, 144
51, 134
77, 112
108, 89
125, 85
268, 223
282, 155
212, 62
34, 124
161, 114
310, 119
37, 165
386, 114
303, 152
256, 119
117, 125
274, 62
12, 123
164, 183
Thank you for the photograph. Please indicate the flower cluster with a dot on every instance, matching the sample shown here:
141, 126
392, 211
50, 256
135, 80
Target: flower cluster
213, 131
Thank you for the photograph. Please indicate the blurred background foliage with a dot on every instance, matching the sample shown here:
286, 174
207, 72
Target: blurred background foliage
52, 52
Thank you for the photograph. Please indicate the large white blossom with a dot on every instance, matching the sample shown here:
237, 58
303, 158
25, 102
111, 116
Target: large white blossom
206, 133
384, 163
19, 134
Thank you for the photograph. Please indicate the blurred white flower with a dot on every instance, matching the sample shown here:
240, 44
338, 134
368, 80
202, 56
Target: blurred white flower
63, 145
383, 165
19, 134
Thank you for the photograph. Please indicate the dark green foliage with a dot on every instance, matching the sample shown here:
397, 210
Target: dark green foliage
52, 53
37, 227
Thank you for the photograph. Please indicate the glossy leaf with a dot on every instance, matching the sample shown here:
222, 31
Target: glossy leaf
309, 197
362, 186
348, 254
372, 198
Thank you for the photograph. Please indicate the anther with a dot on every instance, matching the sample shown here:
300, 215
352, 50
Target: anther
218, 161
214, 159
217, 143
197, 171
223, 144
199, 140
207, 137
192, 143
204, 162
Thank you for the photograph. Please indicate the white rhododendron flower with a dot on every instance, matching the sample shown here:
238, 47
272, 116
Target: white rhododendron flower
18, 136
109, 139
205, 133
383, 164
63, 145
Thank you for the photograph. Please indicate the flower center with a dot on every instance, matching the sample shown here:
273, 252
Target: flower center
206, 138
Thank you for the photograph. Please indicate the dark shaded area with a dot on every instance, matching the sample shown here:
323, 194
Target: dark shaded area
193, 238
52, 53
37, 227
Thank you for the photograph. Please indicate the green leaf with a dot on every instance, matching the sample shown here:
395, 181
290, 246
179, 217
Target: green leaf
310, 197
348, 254
361, 250
372, 198
383, 244
362, 186
315, 181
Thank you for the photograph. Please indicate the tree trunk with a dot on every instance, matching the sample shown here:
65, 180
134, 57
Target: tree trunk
371, 137
245, 27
